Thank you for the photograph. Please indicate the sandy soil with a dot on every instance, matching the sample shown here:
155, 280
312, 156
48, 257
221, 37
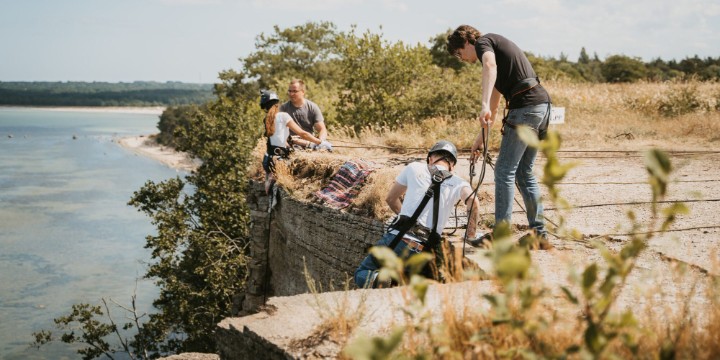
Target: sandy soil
603, 188
145, 145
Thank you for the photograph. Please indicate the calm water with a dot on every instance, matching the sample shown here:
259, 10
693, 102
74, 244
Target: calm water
66, 232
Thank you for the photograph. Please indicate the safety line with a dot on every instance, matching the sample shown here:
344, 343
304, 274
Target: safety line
633, 183
639, 203
669, 230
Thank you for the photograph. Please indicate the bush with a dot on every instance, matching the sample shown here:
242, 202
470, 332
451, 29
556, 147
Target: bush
620, 68
681, 101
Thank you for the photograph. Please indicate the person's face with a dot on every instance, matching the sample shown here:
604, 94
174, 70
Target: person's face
295, 92
435, 158
467, 53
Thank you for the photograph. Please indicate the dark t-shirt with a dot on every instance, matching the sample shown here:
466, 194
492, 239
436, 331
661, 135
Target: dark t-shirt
512, 67
306, 115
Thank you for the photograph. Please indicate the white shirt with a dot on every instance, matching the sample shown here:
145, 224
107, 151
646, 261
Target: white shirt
282, 131
416, 177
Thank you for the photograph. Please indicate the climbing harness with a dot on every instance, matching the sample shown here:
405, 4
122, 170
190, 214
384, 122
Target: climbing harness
519, 88
404, 224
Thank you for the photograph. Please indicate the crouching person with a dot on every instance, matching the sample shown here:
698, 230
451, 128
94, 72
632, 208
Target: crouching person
277, 131
422, 216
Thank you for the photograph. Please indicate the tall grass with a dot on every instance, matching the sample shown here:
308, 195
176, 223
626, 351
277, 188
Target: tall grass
598, 116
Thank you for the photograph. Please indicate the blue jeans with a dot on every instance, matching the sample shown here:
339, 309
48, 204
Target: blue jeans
515, 163
364, 272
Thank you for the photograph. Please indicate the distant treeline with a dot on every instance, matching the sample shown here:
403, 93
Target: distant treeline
138, 93
621, 68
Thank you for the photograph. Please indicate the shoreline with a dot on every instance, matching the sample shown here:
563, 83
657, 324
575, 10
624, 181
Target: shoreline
145, 110
145, 145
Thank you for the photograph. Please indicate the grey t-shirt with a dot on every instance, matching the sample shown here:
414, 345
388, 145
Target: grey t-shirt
306, 115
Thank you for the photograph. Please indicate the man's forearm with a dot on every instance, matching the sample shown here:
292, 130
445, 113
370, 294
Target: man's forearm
489, 75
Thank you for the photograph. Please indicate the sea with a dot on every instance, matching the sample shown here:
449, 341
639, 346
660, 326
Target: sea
67, 235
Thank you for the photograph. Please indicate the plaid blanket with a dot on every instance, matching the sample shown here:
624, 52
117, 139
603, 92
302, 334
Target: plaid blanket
345, 184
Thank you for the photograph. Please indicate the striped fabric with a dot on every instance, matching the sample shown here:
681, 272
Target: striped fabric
345, 184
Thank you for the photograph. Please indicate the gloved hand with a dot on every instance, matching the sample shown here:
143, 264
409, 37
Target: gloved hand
325, 145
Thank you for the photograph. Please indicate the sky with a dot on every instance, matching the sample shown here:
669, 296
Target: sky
193, 40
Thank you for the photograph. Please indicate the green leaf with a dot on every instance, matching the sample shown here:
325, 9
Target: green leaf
569, 295
528, 136
594, 339
365, 348
589, 277
417, 262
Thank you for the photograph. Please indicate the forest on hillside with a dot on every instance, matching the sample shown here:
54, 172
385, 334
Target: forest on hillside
138, 93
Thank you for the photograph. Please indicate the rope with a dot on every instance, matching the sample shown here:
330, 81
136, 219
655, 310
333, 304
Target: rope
673, 152
477, 187
641, 203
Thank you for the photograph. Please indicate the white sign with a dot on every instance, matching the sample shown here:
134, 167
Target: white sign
557, 115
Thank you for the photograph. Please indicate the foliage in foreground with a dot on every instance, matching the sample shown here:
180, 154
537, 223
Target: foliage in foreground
523, 321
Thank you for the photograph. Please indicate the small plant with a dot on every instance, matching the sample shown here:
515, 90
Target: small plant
680, 101
339, 317
83, 326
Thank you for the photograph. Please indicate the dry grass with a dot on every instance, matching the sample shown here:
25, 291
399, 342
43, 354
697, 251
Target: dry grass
341, 314
601, 115
371, 201
598, 116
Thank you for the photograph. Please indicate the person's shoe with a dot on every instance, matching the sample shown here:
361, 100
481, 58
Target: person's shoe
535, 242
483, 240
376, 283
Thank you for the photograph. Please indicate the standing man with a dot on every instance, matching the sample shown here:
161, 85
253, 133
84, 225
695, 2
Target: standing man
417, 215
507, 72
305, 112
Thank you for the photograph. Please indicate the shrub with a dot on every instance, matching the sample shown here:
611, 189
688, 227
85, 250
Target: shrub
680, 101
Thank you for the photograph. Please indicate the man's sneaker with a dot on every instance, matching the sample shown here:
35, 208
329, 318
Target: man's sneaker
535, 242
375, 282
484, 240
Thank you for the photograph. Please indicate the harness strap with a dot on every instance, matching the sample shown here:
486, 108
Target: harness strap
519, 88
433, 191
413, 219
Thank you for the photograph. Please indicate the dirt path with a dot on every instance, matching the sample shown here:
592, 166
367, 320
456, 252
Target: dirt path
603, 188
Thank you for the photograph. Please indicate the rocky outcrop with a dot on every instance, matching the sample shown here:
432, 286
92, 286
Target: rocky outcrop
301, 326
297, 236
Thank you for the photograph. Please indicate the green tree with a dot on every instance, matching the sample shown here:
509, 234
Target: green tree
621, 68
377, 76
174, 123
584, 57
198, 254
440, 55
307, 51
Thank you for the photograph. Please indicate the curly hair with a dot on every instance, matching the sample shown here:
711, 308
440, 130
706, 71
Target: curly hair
457, 39
270, 119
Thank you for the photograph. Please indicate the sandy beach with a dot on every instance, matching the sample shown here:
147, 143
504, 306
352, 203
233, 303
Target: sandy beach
145, 145
150, 110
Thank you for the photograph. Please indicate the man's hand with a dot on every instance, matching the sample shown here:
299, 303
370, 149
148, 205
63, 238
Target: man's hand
477, 147
486, 118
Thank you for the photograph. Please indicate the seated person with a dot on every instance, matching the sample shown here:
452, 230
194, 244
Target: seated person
413, 182
277, 130
303, 111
